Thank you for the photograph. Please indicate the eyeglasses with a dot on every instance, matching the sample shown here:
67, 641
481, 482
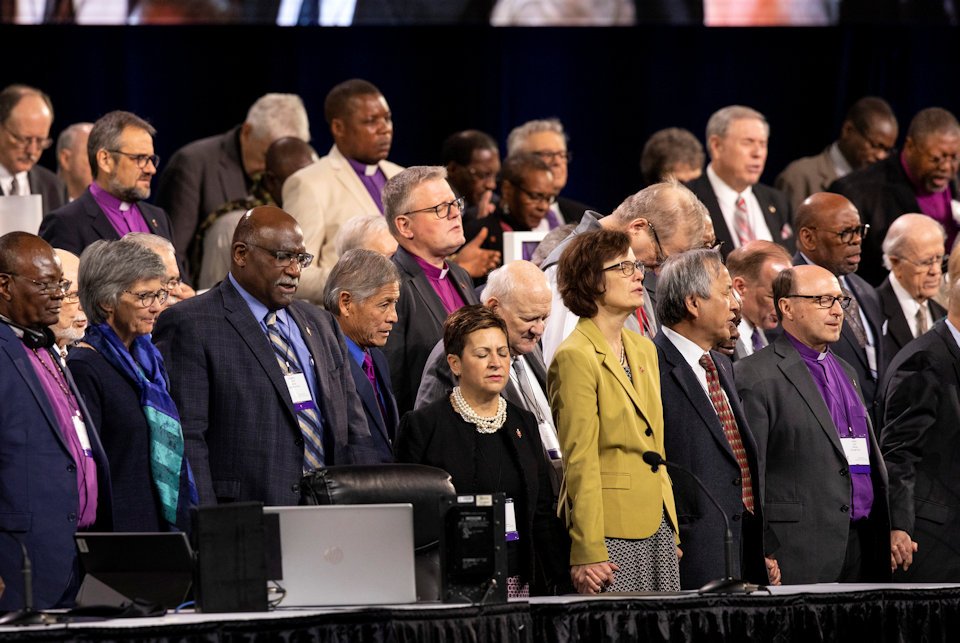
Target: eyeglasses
147, 298
627, 268
539, 197
72, 297
47, 287
140, 159
846, 235
285, 258
935, 261
173, 283
716, 245
550, 157
480, 175
826, 301
661, 255
27, 141
446, 208
936, 161
874, 145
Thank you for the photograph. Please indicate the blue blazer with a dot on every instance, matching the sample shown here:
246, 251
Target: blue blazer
382, 430
38, 485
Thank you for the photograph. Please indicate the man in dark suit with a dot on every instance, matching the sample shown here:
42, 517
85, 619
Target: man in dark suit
830, 235
362, 292
922, 178
914, 250
53, 472
919, 441
742, 208
753, 268
203, 175
120, 148
704, 427
26, 115
825, 484
426, 219
261, 381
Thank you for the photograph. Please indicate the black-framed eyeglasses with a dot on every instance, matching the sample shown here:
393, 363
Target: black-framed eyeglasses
847, 234
481, 175
937, 261
826, 301
284, 258
47, 287
147, 298
874, 144
627, 268
550, 157
140, 159
25, 142
661, 255
539, 197
716, 245
446, 208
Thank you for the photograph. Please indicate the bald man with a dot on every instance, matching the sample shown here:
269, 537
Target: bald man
260, 379
830, 234
913, 251
72, 324
825, 491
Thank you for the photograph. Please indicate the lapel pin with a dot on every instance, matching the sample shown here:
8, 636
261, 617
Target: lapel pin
154, 222
309, 332
518, 434
772, 208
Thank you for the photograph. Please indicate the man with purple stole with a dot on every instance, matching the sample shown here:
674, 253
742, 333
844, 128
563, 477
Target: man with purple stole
825, 493
53, 473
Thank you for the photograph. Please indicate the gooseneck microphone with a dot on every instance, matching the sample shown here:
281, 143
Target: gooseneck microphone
728, 584
28, 615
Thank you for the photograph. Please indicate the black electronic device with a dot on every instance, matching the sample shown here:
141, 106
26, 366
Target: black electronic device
473, 549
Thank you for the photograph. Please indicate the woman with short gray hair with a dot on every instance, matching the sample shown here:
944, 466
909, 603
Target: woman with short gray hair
122, 380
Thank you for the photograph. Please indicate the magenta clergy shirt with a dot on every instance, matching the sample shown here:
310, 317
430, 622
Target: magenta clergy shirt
442, 285
124, 217
936, 205
374, 181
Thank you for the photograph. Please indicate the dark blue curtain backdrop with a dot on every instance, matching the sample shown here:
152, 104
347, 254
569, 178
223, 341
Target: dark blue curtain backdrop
611, 87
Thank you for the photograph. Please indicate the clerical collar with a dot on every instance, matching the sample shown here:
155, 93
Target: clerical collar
363, 168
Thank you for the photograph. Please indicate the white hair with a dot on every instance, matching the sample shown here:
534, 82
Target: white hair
355, 231
275, 116
519, 135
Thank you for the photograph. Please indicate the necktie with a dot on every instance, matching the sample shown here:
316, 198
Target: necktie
14, 187
308, 418
730, 429
852, 316
59, 12
742, 222
921, 321
309, 13
371, 374
757, 340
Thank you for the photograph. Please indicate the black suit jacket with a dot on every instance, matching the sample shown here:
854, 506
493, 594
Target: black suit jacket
898, 332
388, 12
420, 324
881, 192
48, 185
383, 430
807, 486
571, 210
694, 438
776, 208
240, 427
921, 446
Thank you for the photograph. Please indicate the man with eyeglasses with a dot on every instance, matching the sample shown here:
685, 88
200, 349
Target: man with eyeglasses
914, 251
54, 471
261, 379
174, 284
547, 140
123, 163
26, 115
831, 235
742, 208
867, 135
921, 179
825, 487
72, 323
425, 217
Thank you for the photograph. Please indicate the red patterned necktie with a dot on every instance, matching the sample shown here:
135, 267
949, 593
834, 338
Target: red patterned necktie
742, 222
730, 430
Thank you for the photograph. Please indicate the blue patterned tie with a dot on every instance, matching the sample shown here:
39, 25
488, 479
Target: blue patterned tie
308, 418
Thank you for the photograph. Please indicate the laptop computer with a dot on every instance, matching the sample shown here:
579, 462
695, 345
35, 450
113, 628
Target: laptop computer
347, 554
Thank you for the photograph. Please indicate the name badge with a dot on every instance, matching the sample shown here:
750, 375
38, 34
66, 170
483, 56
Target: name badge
856, 450
510, 521
871, 352
81, 430
299, 391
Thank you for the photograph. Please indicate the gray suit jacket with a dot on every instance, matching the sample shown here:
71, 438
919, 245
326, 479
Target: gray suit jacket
806, 176
239, 424
807, 490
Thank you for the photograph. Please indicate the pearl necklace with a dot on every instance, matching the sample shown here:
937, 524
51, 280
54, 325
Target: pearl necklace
483, 425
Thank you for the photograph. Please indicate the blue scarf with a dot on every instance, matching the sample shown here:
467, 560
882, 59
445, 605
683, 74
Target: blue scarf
143, 365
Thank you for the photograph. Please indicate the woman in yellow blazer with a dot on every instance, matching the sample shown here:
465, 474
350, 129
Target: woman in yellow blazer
604, 387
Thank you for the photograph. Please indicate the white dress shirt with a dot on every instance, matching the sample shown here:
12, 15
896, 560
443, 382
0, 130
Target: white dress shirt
910, 306
727, 198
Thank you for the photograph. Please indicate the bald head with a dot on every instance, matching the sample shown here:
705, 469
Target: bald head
519, 294
267, 255
913, 251
284, 157
829, 232
794, 291
72, 324
25, 260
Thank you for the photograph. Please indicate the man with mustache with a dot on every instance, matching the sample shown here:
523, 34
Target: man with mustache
123, 163
72, 323
261, 380
922, 178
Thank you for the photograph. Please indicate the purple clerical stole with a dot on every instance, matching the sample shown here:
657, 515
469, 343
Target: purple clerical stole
442, 285
124, 217
372, 178
66, 411
848, 414
936, 205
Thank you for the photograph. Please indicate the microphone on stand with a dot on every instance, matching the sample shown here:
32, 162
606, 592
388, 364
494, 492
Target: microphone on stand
728, 584
28, 615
